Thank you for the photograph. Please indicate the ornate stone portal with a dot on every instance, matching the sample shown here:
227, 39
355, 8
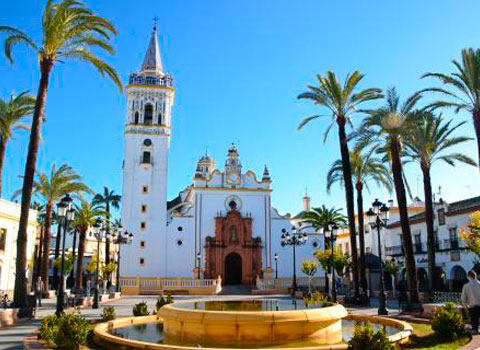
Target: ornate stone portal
233, 253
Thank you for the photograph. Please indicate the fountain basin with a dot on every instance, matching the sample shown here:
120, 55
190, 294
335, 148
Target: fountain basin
250, 322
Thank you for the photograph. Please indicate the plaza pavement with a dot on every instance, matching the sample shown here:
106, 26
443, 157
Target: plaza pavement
11, 338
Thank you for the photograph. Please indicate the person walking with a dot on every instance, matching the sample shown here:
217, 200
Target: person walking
471, 299
39, 289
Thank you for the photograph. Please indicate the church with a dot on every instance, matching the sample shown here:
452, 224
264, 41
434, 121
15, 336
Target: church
223, 224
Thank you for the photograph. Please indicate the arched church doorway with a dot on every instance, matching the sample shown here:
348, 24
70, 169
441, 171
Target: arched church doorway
233, 269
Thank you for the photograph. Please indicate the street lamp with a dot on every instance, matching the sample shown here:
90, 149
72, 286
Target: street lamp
294, 239
199, 261
378, 217
276, 266
97, 231
331, 232
121, 237
66, 214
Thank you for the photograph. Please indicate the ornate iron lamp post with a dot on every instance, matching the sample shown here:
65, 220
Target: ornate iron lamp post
120, 237
294, 239
331, 233
199, 261
97, 231
66, 214
276, 266
378, 218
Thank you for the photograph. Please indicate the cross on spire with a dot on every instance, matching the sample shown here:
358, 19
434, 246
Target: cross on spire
155, 19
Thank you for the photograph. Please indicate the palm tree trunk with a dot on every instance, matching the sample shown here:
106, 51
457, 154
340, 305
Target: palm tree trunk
347, 176
38, 263
476, 124
81, 251
46, 244
427, 187
397, 171
20, 289
361, 235
3, 146
74, 246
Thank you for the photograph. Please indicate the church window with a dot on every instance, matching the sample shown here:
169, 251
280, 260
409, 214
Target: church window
144, 208
3, 238
160, 119
142, 261
146, 159
144, 189
148, 114
180, 228
147, 142
179, 242
142, 244
233, 235
136, 118
143, 225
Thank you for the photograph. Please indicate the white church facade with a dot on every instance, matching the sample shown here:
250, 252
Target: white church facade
224, 224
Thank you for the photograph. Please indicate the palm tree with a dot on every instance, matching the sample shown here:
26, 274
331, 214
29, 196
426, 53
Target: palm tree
427, 143
320, 218
52, 188
70, 30
107, 200
465, 82
12, 113
386, 129
341, 102
85, 217
365, 167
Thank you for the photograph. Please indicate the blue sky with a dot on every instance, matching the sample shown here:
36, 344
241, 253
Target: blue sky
238, 67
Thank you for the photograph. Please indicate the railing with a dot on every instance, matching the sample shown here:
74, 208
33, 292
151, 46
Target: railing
442, 297
284, 283
152, 285
394, 250
136, 79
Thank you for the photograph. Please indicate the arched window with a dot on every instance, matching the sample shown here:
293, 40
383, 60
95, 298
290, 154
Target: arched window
148, 114
136, 118
146, 158
147, 142
160, 119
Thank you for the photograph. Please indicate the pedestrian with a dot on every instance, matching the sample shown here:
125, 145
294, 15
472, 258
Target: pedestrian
39, 289
471, 299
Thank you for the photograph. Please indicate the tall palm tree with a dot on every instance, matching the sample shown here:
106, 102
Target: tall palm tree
51, 188
70, 30
12, 114
430, 141
86, 214
465, 82
107, 200
341, 102
387, 128
320, 218
365, 167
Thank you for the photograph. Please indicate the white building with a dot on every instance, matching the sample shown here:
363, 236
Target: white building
223, 224
9, 221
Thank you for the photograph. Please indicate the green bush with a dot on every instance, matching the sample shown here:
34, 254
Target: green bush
72, 332
108, 313
447, 322
48, 329
163, 301
140, 309
364, 337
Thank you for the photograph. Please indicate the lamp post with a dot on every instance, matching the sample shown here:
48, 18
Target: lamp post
276, 266
120, 237
294, 239
378, 218
67, 214
199, 261
331, 232
97, 231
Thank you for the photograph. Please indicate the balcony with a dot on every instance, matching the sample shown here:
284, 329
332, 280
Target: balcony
137, 79
394, 250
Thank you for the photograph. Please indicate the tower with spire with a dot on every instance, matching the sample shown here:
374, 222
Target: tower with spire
150, 97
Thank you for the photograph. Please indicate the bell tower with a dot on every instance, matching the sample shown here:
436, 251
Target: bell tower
150, 97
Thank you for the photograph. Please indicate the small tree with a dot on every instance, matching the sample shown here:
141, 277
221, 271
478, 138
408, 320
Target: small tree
392, 268
471, 234
106, 270
309, 268
342, 262
69, 262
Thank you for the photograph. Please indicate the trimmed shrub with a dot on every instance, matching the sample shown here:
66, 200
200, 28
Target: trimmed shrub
108, 313
72, 332
364, 337
163, 301
140, 309
447, 322
48, 330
